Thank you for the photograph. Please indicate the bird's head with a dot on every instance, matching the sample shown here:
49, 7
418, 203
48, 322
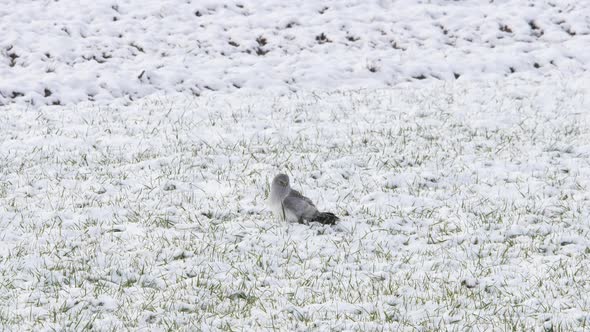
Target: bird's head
281, 180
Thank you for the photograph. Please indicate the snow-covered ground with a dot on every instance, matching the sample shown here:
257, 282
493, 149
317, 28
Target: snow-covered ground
463, 206
69, 51
138, 139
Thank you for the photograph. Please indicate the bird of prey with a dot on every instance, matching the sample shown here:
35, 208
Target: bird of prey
290, 205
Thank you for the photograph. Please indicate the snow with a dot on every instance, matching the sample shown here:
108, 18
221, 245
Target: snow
138, 141
64, 52
458, 201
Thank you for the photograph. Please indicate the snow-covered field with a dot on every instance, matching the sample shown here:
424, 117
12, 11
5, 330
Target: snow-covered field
462, 205
63, 52
138, 139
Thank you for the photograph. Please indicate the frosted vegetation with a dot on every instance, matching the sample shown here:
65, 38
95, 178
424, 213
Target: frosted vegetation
137, 143
462, 206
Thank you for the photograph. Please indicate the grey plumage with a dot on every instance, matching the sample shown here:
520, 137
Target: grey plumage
290, 205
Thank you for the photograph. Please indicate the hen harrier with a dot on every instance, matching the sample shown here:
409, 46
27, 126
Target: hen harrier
290, 205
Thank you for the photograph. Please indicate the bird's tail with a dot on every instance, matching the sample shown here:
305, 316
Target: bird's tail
326, 218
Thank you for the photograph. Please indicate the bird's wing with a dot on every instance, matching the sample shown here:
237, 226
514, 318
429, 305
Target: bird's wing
295, 193
300, 206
